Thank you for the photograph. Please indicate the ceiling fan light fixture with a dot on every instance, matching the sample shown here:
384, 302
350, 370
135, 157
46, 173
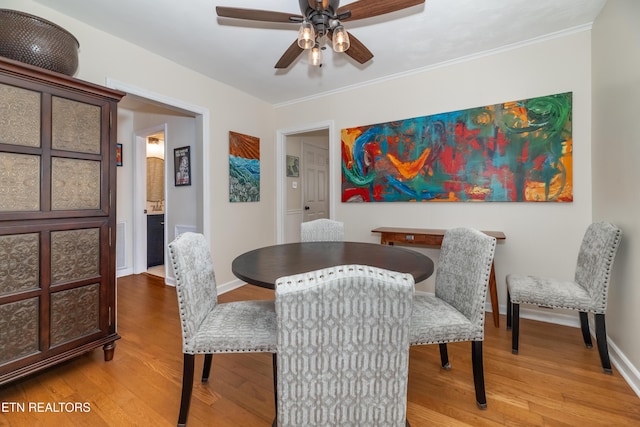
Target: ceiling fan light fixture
315, 56
340, 39
306, 36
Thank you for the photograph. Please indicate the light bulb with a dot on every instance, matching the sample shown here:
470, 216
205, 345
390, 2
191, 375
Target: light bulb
315, 56
340, 39
306, 36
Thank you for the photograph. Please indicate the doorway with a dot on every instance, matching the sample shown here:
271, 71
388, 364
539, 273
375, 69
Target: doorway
155, 202
315, 181
140, 103
289, 198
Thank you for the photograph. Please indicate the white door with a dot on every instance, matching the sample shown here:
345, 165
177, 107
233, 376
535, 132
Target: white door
315, 164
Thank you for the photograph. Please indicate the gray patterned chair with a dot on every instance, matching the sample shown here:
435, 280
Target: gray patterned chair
587, 293
456, 311
322, 230
209, 327
343, 347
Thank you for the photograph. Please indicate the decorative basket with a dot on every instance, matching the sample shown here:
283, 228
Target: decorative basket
36, 41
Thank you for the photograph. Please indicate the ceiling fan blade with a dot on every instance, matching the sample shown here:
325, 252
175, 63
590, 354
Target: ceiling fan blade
357, 50
362, 9
289, 55
257, 15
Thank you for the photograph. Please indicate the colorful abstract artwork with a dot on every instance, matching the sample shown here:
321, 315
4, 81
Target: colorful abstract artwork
244, 168
517, 151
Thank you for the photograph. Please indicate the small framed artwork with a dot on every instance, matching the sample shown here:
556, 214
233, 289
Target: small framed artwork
118, 154
182, 165
293, 166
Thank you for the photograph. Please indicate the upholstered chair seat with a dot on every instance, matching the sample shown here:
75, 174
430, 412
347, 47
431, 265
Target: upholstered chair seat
586, 293
209, 327
436, 321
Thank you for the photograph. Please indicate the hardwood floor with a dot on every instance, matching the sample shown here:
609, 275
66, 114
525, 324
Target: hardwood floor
554, 381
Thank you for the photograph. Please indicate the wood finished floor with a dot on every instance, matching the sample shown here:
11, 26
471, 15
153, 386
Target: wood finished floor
554, 381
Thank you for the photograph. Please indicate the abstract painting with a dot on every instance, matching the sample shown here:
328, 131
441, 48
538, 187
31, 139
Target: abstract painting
519, 151
244, 168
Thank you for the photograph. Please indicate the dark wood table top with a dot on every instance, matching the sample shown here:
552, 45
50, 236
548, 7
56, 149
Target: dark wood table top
262, 267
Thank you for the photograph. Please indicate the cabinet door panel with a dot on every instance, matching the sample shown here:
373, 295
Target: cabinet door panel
20, 329
19, 182
74, 313
75, 126
19, 263
19, 116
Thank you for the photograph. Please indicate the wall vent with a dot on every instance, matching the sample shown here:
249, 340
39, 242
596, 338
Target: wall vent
121, 256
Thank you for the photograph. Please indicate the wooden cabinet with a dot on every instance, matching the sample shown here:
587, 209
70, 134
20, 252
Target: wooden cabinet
155, 240
57, 218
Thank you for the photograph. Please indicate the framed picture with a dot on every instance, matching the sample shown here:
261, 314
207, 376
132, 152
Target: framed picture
293, 166
118, 154
182, 165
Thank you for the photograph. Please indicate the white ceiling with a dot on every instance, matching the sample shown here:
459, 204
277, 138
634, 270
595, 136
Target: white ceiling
242, 54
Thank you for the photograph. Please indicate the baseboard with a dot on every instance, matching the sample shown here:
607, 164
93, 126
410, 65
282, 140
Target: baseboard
124, 272
624, 366
229, 286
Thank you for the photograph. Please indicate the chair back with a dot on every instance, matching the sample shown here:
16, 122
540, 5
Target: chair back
322, 230
343, 347
595, 260
195, 282
463, 271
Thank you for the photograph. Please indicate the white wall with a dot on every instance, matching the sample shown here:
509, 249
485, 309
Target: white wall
233, 228
542, 238
616, 152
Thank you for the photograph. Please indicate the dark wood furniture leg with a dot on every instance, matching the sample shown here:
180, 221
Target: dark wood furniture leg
187, 386
478, 374
584, 326
515, 327
444, 356
603, 349
509, 310
109, 348
206, 368
493, 292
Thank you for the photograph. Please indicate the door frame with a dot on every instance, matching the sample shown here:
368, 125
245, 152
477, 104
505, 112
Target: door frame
203, 129
281, 181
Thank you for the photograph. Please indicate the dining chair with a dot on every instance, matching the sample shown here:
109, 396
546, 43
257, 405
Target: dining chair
456, 311
322, 230
586, 293
343, 347
207, 326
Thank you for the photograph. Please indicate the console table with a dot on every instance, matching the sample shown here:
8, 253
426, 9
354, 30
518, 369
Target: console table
433, 237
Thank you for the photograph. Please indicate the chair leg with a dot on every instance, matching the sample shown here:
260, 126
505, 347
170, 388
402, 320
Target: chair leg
275, 387
515, 326
478, 374
509, 309
584, 325
206, 369
601, 337
444, 356
187, 386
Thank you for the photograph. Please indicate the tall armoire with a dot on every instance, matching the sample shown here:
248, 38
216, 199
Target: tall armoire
57, 218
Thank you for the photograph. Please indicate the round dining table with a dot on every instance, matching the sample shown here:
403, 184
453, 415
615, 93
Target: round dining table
263, 266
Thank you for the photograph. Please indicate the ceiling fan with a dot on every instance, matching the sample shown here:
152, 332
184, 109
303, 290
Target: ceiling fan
320, 22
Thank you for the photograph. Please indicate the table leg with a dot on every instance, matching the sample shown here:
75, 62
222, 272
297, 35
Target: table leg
494, 297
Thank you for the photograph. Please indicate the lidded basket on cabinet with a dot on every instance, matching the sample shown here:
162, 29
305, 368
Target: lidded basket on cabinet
36, 41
